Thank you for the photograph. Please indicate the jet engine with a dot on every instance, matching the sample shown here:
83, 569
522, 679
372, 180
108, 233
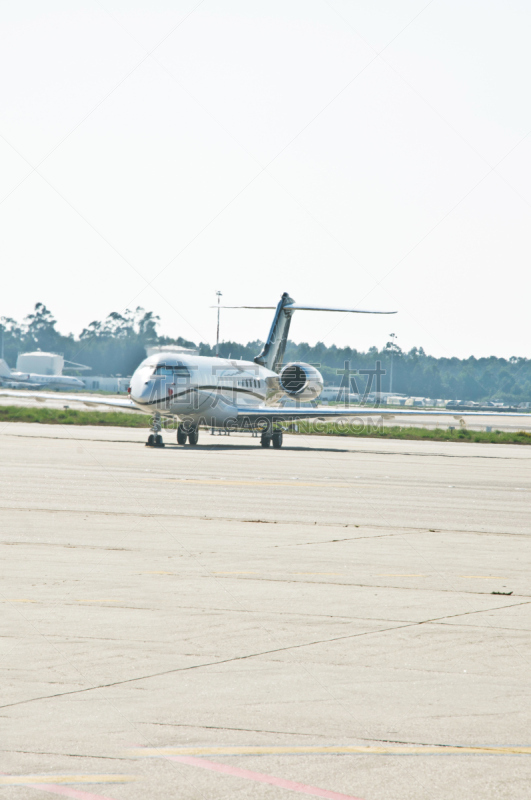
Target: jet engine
301, 381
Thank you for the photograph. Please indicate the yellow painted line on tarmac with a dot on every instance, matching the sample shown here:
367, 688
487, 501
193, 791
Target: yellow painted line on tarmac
399, 575
10, 780
309, 750
18, 600
276, 572
201, 482
319, 573
236, 572
98, 600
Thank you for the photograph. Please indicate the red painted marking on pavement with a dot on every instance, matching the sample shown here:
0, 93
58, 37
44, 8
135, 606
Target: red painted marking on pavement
259, 777
66, 791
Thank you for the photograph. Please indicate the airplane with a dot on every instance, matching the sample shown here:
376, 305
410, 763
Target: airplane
233, 395
339, 394
33, 381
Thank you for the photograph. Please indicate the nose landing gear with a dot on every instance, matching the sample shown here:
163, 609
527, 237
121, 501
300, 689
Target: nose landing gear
155, 438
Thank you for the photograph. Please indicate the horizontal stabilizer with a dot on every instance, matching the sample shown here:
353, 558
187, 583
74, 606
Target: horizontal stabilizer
253, 307
305, 307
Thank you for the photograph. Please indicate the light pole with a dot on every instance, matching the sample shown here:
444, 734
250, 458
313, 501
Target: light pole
392, 337
217, 335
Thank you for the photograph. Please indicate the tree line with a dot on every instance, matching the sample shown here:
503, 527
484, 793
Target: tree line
116, 346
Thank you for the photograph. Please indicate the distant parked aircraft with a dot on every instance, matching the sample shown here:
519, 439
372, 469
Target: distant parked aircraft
31, 380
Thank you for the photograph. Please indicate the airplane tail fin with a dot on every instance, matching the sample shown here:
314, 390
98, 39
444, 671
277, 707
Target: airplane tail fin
272, 354
5, 372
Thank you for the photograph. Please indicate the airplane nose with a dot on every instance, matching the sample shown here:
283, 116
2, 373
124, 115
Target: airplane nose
146, 391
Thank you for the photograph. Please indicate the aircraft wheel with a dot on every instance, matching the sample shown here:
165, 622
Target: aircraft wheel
181, 435
193, 436
159, 441
151, 440
277, 439
265, 440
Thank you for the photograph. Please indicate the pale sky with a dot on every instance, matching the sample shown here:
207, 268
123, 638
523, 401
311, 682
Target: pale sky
373, 154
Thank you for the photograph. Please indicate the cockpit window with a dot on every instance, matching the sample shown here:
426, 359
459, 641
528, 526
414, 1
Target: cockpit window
171, 372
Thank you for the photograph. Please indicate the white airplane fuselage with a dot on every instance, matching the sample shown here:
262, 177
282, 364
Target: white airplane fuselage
201, 388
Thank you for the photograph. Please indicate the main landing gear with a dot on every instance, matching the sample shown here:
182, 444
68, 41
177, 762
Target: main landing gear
185, 432
271, 437
155, 438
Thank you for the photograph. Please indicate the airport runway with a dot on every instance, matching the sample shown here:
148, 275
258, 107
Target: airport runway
344, 618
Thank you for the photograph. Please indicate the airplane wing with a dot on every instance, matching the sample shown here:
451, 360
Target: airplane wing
269, 414
85, 399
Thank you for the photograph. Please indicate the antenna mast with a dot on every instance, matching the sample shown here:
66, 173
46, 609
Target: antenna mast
392, 343
217, 334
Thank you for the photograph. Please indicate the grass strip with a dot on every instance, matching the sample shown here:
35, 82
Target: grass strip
72, 416
418, 434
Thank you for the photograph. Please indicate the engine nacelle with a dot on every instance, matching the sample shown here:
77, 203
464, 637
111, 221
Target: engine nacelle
301, 381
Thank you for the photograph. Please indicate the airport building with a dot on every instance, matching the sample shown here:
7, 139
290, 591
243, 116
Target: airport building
171, 348
41, 363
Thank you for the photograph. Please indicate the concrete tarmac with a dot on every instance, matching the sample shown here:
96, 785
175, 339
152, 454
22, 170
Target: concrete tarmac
343, 618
